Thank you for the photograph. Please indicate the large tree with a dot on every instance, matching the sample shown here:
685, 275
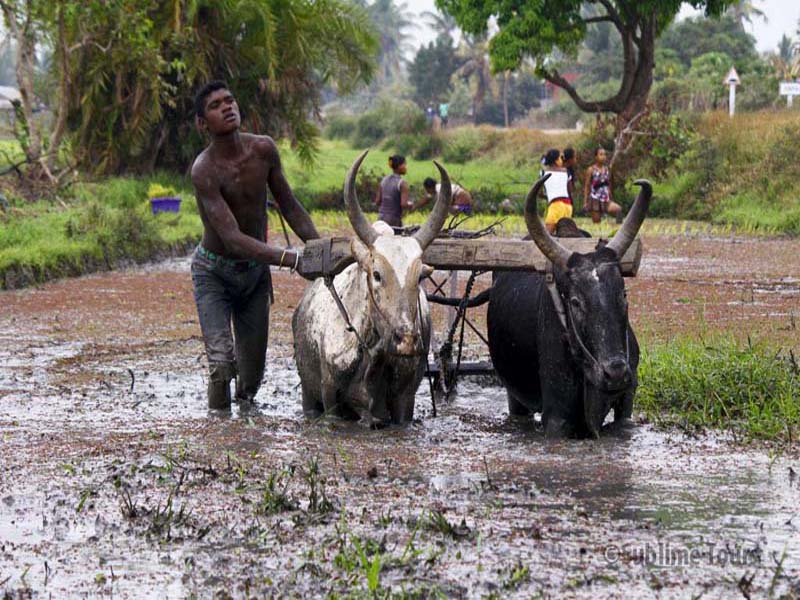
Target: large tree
431, 69
543, 29
127, 71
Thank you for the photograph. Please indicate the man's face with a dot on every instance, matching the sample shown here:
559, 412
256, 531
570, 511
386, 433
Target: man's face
221, 113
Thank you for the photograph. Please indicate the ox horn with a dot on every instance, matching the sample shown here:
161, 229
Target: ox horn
431, 228
554, 251
361, 226
626, 234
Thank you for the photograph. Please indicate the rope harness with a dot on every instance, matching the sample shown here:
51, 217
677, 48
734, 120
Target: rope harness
363, 346
562, 313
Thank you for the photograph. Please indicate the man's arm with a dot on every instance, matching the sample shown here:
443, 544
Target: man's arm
221, 219
292, 210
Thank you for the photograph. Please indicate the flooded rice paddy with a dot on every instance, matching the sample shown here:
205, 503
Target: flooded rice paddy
117, 481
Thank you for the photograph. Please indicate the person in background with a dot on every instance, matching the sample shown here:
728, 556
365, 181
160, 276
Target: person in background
559, 204
444, 111
462, 199
392, 195
597, 194
570, 163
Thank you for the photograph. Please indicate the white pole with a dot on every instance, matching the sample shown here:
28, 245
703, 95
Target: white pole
789, 101
732, 100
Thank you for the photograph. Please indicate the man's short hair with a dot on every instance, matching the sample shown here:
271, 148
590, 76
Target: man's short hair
429, 182
205, 92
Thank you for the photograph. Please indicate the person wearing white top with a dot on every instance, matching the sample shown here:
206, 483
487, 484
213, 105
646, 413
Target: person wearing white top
559, 203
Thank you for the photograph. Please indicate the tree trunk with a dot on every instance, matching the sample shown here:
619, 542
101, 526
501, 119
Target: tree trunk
505, 98
60, 126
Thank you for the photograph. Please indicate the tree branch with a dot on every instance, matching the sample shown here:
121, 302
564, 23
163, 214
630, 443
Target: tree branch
557, 79
599, 19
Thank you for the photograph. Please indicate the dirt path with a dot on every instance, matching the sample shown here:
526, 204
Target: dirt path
115, 480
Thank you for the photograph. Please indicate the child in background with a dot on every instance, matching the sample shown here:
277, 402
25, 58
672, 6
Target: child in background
559, 203
597, 196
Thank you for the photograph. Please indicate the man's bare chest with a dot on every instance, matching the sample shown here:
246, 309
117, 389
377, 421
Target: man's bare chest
243, 179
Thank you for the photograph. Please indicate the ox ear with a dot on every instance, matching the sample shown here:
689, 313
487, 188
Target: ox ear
426, 271
361, 253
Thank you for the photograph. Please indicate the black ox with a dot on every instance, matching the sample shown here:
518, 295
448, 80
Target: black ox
575, 367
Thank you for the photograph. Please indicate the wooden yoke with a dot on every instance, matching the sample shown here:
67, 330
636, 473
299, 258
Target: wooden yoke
330, 256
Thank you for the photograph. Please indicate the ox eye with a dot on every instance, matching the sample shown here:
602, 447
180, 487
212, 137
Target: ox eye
376, 276
576, 302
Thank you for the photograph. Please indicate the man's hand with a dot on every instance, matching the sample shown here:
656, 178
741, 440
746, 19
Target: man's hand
324, 257
307, 269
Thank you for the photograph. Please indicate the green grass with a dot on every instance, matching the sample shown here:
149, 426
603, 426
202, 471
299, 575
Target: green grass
99, 226
749, 389
326, 177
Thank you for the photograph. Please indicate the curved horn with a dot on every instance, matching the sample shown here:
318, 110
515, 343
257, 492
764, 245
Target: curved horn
554, 251
361, 226
431, 228
626, 234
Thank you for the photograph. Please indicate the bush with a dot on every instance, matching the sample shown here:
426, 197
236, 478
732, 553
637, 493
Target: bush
340, 127
427, 146
370, 129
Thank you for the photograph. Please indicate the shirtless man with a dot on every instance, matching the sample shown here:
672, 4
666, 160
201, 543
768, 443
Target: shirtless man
230, 268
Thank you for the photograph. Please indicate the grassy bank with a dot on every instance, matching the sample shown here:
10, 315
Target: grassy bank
749, 389
101, 226
742, 171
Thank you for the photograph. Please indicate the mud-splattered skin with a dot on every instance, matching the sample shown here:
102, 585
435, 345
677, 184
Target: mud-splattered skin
542, 365
231, 177
391, 315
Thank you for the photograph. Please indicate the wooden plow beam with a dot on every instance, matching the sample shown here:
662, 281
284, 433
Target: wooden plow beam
332, 255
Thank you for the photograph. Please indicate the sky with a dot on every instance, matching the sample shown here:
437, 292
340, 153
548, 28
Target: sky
782, 17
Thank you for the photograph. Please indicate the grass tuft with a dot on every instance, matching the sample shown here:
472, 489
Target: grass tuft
750, 389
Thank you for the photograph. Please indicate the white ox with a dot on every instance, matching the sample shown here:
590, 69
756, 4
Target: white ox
373, 372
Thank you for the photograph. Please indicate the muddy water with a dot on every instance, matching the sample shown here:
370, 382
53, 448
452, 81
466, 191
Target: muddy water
116, 480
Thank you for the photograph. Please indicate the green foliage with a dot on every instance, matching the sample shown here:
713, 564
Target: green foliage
689, 38
431, 70
390, 117
540, 31
132, 86
340, 127
751, 389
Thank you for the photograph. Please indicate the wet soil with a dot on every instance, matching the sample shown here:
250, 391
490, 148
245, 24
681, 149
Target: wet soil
117, 481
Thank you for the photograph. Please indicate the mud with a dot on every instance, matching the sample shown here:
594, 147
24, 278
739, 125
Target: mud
117, 481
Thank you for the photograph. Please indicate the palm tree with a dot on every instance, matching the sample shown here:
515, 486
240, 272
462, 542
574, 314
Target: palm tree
745, 11
442, 23
475, 69
135, 80
391, 22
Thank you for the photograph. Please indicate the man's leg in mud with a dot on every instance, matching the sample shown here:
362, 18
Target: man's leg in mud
214, 313
251, 333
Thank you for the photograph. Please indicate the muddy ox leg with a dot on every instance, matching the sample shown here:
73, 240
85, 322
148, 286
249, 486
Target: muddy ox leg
561, 406
516, 408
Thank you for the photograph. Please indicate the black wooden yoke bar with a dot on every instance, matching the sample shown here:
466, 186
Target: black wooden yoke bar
331, 255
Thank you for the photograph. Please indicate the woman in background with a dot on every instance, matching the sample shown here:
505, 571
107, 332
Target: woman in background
597, 196
392, 196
